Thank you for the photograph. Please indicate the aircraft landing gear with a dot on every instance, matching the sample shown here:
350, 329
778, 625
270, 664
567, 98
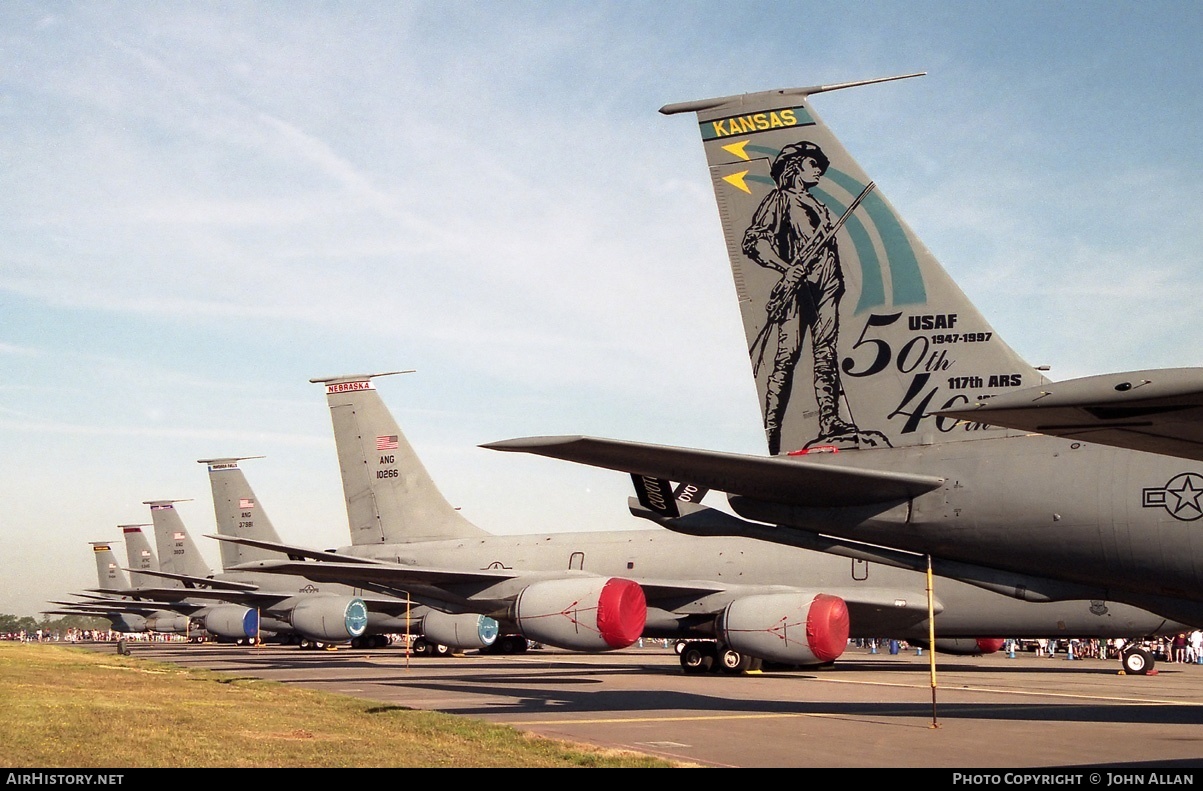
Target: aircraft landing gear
732, 662
698, 657
702, 656
1136, 661
507, 644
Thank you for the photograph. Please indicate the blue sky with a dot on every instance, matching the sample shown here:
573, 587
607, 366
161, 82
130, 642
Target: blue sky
204, 205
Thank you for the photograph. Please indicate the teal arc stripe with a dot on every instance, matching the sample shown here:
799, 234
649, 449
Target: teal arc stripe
872, 290
905, 276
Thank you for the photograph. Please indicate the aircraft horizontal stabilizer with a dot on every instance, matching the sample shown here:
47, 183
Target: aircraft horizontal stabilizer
1155, 411
775, 479
694, 519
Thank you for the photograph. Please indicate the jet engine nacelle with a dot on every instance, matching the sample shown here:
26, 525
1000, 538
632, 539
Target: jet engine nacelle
967, 646
232, 621
582, 614
128, 623
330, 619
460, 632
168, 623
794, 629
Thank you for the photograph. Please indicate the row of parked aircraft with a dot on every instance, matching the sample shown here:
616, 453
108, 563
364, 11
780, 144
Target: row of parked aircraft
885, 397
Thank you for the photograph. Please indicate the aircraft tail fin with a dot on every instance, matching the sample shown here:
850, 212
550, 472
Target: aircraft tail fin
139, 555
239, 513
391, 498
178, 553
658, 496
856, 334
109, 576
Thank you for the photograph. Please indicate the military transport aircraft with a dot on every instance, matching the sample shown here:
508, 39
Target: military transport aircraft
242, 605
746, 601
125, 612
887, 398
240, 514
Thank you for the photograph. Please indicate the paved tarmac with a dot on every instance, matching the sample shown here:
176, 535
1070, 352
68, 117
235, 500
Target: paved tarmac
869, 710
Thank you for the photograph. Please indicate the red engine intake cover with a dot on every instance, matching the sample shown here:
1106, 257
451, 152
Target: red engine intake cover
621, 612
990, 645
827, 627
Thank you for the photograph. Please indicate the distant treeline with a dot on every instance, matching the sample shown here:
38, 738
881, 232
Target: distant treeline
11, 624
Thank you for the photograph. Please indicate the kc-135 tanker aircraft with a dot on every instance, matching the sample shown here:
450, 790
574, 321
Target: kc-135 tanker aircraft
240, 606
744, 601
899, 423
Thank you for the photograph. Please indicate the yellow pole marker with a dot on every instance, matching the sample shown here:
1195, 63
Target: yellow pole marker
931, 639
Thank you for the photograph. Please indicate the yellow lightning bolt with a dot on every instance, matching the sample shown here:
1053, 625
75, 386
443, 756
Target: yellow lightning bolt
737, 180
737, 149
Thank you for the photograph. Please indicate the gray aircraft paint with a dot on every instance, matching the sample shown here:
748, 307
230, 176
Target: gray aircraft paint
109, 575
1042, 515
688, 580
139, 555
178, 552
406, 507
124, 615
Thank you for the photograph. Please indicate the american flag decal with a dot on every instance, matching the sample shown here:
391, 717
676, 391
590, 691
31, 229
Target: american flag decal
246, 502
177, 536
386, 443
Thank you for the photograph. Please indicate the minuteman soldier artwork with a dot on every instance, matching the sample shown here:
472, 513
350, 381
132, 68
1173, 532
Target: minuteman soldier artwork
793, 233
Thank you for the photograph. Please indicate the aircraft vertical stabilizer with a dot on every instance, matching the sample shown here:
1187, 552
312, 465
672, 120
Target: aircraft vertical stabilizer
178, 553
109, 575
239, 513
139, 555
856, 334
391, 499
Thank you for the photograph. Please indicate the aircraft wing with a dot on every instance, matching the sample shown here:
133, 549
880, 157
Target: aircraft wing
80, 613
293, 551
659, 590
143, 595
379, 573
134, 606
191, 582
779, 479
1155, 411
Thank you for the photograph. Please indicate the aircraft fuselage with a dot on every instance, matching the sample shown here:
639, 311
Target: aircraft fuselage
1126, 522
742, 566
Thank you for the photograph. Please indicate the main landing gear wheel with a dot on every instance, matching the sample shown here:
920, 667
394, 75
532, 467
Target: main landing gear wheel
732, 661
698, 658
511, 644
1136, 661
